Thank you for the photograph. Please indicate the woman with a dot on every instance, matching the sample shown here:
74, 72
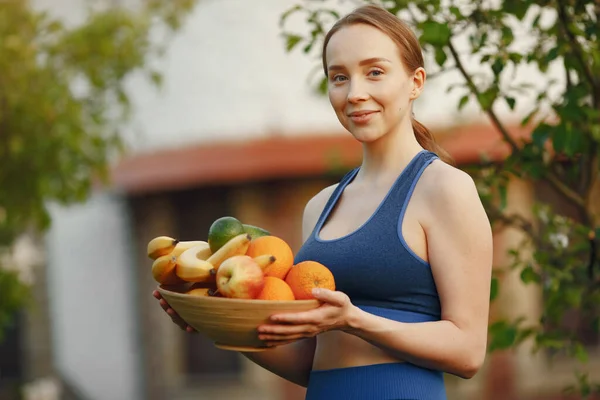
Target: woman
405, 235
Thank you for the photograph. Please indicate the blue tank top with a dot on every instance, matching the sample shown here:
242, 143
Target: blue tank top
374, 265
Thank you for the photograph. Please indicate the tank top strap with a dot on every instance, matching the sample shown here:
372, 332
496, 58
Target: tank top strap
408, 179
335, 196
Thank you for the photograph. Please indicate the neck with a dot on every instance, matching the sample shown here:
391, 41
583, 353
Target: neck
387, 156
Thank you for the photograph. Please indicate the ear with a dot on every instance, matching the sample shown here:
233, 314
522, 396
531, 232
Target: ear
419, 77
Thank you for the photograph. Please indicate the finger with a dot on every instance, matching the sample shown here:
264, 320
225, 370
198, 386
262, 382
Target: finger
156, 294
330, 296
179, 321
307, 317
165, 306
276, 343
287, 330
280, 339
190, 329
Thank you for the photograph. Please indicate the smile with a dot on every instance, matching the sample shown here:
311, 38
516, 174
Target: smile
361, 117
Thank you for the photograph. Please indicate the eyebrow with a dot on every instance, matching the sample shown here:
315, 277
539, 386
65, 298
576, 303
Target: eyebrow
362, 63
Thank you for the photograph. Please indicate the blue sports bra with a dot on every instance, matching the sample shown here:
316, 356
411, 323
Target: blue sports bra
374, 265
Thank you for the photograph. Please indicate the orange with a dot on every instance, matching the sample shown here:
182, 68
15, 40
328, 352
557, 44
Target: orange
275, 246
307, 275
276, 289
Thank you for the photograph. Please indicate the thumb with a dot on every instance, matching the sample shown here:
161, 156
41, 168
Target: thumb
329, 296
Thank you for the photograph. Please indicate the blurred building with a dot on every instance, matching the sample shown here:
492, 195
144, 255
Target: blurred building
236, 130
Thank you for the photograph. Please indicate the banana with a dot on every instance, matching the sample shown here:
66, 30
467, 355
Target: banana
182, 246
236, 246
160, 246
264, 260
192, 267
163, 270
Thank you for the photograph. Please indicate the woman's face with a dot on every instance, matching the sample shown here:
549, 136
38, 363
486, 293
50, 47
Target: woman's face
369, 88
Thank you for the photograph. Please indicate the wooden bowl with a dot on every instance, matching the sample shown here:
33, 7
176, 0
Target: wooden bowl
230, 323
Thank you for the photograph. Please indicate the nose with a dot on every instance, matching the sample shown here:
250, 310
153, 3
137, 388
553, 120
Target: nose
357, 92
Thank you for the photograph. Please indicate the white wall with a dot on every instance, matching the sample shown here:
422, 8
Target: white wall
229, 77
92, 299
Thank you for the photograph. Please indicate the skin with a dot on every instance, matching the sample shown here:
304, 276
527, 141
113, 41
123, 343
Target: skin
445, 224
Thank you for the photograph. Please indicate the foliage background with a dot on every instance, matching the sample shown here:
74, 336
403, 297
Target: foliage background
63, 100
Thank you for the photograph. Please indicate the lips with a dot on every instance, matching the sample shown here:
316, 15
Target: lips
361, 117
361, 113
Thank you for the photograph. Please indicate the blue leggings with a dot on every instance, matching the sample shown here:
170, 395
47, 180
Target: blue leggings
392, 381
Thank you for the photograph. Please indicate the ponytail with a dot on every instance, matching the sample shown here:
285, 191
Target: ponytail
427, 141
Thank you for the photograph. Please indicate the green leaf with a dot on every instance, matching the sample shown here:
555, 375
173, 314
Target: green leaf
323, 84
541, 133
440, 56
511, 102
435, 33
503, 335
292, 41
283, 18
550, 342
503, 192
463, 101
572, 297
498, 66
566, 139
507, 36
516, 7
487, 98
494, 289
580, 353
528, 275
156, 78
14, 296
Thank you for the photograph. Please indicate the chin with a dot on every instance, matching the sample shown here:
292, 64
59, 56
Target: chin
366, 135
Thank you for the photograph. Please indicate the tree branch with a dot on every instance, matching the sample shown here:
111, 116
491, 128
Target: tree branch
517, 221
564, 189
501, 128
564, 24
549, 176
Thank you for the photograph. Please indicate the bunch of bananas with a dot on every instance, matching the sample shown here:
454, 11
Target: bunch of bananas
176, 262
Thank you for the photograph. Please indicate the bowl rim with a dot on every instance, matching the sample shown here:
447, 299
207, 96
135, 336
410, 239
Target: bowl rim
234, 300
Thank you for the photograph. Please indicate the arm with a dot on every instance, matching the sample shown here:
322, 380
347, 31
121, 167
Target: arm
460, 254
293, 361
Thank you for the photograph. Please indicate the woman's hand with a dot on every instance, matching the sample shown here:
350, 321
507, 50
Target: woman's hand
336, 312
174, 316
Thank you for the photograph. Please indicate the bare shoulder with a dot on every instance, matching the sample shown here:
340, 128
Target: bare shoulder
450, 192
313, 209
443, 182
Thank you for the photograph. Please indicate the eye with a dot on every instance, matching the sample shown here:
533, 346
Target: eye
338, 78
376, 72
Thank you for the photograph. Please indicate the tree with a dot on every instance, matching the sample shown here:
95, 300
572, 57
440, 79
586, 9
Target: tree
62, 104
561, 151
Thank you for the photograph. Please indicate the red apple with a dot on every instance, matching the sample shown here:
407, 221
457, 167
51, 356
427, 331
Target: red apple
240, 277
